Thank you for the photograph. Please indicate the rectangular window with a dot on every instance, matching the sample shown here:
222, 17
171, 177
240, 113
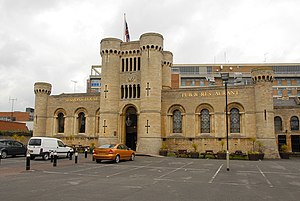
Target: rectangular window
279, 92
183, 82
202, 83
289, 93
279, 82
288, 83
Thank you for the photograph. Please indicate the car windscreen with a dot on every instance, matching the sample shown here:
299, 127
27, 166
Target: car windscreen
35, 142
108, 146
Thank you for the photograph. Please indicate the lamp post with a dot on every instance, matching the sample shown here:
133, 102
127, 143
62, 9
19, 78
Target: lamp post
225, 77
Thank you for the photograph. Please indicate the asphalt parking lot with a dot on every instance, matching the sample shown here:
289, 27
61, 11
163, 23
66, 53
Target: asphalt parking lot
150, 178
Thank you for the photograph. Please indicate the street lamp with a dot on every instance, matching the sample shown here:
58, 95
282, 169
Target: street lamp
225, 78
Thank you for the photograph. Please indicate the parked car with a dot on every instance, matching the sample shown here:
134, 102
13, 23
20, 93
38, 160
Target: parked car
12, 148
114, 152
43, 146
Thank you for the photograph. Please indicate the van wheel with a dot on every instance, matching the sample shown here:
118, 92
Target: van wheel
98, 160
117, 159
32, 157
46, 156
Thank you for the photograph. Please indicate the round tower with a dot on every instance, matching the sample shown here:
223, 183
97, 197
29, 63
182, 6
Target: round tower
264, 110
110, 93
166, 69
149, 129
42, 92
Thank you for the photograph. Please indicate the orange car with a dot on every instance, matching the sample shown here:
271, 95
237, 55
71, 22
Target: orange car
115, 152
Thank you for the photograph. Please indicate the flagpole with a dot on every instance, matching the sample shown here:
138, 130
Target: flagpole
124, 30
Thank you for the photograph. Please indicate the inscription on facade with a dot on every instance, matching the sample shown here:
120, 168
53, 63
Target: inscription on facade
209, 93
81, 99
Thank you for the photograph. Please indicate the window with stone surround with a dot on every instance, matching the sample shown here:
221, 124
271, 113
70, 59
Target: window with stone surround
234, 120
278, 123
205, 121
61, 123
177, 122
294, 123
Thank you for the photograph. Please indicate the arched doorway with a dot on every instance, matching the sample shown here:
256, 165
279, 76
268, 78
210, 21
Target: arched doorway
131, 128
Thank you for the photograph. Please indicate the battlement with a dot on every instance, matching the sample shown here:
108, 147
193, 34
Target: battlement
42, 88
265, 74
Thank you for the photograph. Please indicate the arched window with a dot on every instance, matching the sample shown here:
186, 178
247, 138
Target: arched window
81, 122
234, 120
205, 121
294, 123
177, 122
278, 123
60, 123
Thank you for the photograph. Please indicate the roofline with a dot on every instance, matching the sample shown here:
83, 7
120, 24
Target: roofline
239, 64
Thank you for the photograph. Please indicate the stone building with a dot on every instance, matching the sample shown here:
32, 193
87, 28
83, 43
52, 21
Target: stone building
138, 106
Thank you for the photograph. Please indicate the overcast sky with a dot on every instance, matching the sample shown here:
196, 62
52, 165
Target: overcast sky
57, 41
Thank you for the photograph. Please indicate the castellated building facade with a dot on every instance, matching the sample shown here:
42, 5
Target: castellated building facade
137, 106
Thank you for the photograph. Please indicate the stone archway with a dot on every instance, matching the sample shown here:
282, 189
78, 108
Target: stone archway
131, 121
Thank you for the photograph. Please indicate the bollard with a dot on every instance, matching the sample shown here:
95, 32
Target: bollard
28, 161
55, 159
76, 157
70, 156
85, 153
93, 156
0, 157
51, 157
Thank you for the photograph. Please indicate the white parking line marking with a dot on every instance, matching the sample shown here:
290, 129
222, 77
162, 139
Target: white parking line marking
212, 179
126, 171
261, 172
174, 170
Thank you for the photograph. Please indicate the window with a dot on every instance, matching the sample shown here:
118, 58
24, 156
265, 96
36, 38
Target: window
177, 122
279, 82
183, 82
278, 123
234, 120
294, 123
202, 82
279, 92
60, 144
81, 122
61, 123
205, 121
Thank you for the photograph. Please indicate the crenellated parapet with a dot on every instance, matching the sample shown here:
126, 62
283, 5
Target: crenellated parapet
262, 75
167, 58
42, 88
151, 42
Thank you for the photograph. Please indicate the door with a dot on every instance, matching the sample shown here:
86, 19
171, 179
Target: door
295, 143
281, 141
62, 150
131, 128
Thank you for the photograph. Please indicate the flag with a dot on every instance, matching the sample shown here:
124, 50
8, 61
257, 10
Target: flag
126, 32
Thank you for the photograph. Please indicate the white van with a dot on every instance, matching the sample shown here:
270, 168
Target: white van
43, 146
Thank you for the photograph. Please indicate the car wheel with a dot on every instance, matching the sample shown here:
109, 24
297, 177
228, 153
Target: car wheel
98, 161
3, 154
68, 155
117, 159
132, 157
46, 156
